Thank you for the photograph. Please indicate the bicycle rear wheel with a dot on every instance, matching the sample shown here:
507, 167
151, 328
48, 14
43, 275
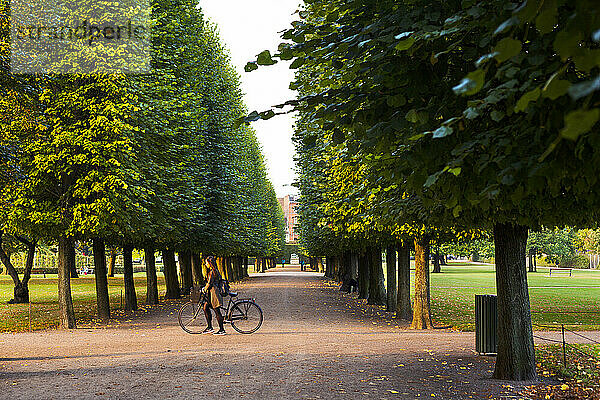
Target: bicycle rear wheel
246, 316
191, 318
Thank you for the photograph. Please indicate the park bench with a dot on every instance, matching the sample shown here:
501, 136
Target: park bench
560, 271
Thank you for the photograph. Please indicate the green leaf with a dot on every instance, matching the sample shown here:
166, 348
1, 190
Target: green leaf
555, 88
471, 113
267, 114
507, 48
517, 194
412, 116
431, 179
253, 116
546, 20
416, 137
586, 59
579, 122
579, 90
396, 101
300, 38
442, 131
251, 66
508, 179
264, 58
567, 43
422, 117
455, 171
297, 63
497, 115
471, 84
456, 211
405, 44
528, 97
527, 10
338, 136
333, 16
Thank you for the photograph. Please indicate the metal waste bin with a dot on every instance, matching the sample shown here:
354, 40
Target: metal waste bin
486, 323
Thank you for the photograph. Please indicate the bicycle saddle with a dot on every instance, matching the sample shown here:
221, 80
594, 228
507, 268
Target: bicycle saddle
233, 294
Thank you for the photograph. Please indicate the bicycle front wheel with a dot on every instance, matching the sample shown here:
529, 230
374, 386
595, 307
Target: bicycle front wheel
246, 316
191, 318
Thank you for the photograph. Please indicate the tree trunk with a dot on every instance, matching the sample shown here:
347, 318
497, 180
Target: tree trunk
436, 261
102, 299
421, 309
151, 278
346, 272
229, 268
130, 297
354, 265
516, 356
403, 306
71, 261
246, 274
443, 259
65, 301
197, 276
10, 268
257, 263
221, 266
238, 273
171, 280
112, 262
392, 291
185, 269
364, 268
21, 289
377, 280
234, 268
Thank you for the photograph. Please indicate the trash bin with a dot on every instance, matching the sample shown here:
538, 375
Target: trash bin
486, 322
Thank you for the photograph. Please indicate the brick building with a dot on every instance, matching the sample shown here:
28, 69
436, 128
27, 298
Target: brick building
288, 205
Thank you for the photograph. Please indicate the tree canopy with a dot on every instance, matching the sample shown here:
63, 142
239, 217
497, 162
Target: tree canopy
462, 115
151, 159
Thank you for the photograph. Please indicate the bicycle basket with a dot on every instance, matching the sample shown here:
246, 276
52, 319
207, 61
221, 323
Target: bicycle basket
196, 294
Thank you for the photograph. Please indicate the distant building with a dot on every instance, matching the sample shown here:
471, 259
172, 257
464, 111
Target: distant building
289, 204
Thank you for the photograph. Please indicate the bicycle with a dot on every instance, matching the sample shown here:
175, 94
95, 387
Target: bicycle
244, 315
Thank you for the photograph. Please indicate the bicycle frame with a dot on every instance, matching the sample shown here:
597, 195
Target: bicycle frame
226, 318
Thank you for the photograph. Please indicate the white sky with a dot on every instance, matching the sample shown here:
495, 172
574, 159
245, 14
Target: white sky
248, 27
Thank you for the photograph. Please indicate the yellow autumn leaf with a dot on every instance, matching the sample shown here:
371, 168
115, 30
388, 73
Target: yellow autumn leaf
564, 387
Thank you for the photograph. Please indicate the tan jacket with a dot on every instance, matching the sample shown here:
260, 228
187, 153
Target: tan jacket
212, 282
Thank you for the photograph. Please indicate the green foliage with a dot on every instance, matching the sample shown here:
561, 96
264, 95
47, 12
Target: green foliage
377, 94
143, 159
476, 250
558, 245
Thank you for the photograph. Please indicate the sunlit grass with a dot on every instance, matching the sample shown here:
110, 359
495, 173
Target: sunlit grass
573, 301
43, 293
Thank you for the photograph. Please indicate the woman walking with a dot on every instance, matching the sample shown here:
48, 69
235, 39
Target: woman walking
215, 300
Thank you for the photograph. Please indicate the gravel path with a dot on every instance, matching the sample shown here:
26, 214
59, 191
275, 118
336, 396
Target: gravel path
315, 343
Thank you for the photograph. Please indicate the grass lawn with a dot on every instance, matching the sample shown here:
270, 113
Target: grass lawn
573, 301
43, 293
